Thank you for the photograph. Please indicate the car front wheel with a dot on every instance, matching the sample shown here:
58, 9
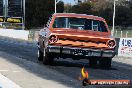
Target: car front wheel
47, 58
40, 55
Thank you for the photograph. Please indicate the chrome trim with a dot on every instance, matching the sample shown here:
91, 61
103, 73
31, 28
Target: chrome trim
108, 53
66, 51
53, 49
53, 46
80, 51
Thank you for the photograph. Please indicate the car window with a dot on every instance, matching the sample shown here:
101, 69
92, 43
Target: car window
79, 23
98, 26
95, 25
76, 23
59, 23
103, 27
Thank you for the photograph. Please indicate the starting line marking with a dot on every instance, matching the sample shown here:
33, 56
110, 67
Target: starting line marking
4, 70
6, 83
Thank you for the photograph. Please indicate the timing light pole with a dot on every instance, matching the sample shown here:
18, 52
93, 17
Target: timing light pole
113, 29
55, 5
56, 1
23, 26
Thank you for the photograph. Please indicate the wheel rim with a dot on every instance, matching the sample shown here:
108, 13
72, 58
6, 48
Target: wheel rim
38, 53
44, 52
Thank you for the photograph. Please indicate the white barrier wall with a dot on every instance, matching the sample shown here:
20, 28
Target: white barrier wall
20, 34
125, 47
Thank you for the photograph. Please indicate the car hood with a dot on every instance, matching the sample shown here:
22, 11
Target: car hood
82, 38
81, 32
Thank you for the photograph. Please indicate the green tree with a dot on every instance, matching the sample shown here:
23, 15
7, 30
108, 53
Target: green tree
60, 7
107, 13
123, 15
82, 8
38, 12
30, 10
67, 8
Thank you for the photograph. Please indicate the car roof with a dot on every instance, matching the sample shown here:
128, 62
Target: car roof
79, 16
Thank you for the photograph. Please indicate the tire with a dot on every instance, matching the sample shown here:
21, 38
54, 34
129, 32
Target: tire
47, 58
86, 82
105, 63
92, 62
40, 55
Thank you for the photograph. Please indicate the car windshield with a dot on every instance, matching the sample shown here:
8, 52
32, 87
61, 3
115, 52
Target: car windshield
79, 23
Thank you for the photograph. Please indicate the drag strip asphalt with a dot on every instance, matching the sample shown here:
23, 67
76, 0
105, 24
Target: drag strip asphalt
67, 70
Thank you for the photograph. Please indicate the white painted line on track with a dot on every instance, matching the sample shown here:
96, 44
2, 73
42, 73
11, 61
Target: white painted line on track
16, 71
4, 70
6, 83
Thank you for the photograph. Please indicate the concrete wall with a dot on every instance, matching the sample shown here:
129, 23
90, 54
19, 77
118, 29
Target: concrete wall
19, 34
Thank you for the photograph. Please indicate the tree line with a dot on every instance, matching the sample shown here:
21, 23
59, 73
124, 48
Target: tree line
38, 12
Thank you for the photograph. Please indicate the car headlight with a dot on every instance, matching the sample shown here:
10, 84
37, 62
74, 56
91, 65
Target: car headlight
53, 39
111, 43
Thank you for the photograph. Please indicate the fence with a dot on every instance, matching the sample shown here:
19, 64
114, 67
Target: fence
123, 32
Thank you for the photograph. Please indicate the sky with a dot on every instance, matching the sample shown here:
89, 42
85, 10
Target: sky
69, 1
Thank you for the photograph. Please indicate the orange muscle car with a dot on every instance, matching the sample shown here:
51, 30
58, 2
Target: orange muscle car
77, 36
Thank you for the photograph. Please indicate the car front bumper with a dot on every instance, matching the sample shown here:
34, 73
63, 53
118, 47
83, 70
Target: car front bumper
86, 52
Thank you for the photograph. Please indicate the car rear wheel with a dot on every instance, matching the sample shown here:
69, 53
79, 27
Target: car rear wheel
40, 55
47, 58
105, 63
